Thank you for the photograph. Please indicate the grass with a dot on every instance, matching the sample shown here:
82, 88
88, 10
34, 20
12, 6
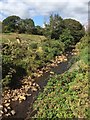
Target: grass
5, 37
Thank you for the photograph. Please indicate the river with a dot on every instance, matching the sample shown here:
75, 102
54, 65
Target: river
24, 110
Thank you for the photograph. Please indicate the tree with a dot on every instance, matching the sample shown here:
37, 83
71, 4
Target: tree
38, 30
76, 29
10, 24
26, 26
55, 26
66, 38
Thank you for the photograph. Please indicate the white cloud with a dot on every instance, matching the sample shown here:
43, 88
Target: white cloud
77, 9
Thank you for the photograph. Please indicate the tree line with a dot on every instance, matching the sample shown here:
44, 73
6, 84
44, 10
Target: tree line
56, 28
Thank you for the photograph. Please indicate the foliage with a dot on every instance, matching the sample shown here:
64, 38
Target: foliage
16, 24
76, 29
66, 95
38, 30
66, 37
55, 27
26, 57
10, 24
26, 26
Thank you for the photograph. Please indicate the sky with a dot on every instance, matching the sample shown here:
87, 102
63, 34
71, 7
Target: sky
40, 10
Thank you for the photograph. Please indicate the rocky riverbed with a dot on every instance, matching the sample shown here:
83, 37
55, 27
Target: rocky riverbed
28, 88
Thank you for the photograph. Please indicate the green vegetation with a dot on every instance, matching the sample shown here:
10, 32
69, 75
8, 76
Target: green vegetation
66, 95
27, 53
66, 38
76, 29
27, 56
54, 29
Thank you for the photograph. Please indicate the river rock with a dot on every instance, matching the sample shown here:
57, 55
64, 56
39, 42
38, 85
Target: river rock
65, 59
8, 108
51, 72
34, 84
13, 112
52, 65
41, 72
75, 53
5, 110
34, 89
8, 114
28, 94
1, 107
29, 78
38, 75
22, 97
30, 83
5, 101
9, 100
58, 62
1, 112
7, 104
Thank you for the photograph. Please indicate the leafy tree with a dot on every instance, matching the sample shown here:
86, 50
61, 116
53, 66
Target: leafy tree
76, 29
10, 24
16, 24
66, 37
55, 27
21, 26
26, 26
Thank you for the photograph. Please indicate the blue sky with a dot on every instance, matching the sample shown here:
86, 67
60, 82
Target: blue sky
39, 20
40, 10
